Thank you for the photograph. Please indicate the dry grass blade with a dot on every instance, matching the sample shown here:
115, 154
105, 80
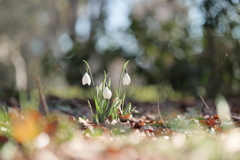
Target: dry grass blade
159, 112
52, 76
213, 72
45, 87
42, 96
206, 106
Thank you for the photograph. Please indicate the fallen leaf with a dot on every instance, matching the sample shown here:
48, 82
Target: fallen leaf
127, 116
51, 127
26, 128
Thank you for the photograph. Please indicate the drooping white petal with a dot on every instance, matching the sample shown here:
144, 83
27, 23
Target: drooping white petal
86, 79
107, 94
126, 79
100, 87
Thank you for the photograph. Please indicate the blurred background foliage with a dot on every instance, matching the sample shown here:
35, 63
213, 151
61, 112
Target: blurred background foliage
178, 46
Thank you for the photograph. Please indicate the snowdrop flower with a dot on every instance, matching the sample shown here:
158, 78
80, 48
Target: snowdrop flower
126, 79
100, 86
86, 79
107, 94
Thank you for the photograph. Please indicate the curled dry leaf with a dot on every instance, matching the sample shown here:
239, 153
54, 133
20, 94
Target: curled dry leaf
137, 125
127, 116
86, 124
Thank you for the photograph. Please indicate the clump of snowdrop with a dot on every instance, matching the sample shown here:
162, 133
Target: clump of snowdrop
104, 106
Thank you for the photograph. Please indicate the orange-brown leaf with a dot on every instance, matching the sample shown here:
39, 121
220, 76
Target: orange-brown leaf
211, 122
51, 127
127, 116
26, 128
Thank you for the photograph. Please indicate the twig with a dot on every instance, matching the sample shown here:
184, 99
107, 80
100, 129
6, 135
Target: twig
159, 112
213, 71
45, 87
52, 76
42, 96
206, 106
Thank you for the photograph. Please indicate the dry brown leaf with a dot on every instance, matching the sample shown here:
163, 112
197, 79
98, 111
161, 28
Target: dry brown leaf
127, 116
26, 128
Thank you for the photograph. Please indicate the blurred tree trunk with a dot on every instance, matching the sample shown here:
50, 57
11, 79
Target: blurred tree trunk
72, 18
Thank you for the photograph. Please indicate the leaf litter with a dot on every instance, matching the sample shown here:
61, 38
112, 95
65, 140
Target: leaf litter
31, 135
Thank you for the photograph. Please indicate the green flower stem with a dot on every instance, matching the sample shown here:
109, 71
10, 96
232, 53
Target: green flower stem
91, 76
90, 72
120, 79
119, 83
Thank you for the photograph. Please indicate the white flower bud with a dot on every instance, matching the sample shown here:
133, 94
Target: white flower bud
126, 79
107, 94
100, 87
86, 79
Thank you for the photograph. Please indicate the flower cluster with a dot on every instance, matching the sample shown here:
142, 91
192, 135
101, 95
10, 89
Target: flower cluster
105, 108
107, 94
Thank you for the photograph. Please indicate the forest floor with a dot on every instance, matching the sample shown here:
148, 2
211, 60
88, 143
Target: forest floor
169, 130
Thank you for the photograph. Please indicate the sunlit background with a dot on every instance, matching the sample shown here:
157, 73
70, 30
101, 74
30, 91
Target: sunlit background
176, 48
